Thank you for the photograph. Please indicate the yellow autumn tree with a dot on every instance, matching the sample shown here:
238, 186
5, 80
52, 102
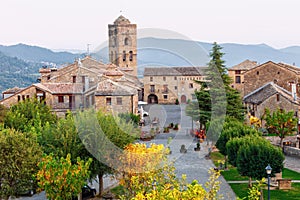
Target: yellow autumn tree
145, 173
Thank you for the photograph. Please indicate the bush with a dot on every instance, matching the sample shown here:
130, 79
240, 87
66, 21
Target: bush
233, 130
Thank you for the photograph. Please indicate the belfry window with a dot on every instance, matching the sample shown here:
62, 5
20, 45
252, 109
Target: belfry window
130, 56
124, 55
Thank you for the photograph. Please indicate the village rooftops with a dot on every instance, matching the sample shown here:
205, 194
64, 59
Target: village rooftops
174, 71
245, 65
261, 94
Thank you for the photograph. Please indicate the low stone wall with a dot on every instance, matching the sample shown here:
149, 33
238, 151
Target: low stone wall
291, 151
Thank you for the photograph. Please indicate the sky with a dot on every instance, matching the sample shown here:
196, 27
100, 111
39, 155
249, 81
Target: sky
72, 24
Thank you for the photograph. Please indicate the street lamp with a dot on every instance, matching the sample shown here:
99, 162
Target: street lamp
269, 171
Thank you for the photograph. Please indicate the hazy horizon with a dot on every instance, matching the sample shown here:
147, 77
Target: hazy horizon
71, 24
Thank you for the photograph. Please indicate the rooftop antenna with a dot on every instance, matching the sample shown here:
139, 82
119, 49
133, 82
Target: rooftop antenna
88, 49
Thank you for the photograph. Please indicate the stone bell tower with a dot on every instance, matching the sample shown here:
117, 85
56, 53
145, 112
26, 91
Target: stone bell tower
122, 45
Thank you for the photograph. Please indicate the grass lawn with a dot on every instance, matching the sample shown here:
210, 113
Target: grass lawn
289, 174
241, 190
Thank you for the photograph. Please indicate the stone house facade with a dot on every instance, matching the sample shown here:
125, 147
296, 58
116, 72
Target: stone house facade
86, 83
237, 74
273, 97
165, 85
282, 74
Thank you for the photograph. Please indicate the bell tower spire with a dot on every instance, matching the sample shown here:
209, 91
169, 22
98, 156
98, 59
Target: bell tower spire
122, 44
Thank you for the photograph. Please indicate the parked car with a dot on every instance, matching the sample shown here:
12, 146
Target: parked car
87, 192
145, 114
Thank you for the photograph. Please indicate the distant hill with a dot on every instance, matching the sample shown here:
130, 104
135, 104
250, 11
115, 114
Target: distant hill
16, 72
19, 64
176, 52
38, 54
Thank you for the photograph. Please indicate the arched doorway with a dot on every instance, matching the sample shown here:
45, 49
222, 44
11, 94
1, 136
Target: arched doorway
152, 98
183, 99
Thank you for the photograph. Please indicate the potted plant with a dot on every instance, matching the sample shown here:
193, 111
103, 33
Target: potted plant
176, 102
197, 148
176, 127
166, 130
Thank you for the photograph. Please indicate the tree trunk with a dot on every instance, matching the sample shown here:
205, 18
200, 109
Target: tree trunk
250, 182
281, 142
261, 197
101, 188
79, 196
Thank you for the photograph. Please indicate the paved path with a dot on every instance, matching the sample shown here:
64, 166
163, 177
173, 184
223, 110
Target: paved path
292, 163
192, 163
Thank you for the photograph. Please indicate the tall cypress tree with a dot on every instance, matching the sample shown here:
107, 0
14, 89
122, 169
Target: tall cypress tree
216, 97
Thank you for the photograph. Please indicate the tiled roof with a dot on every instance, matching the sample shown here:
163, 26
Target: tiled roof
261, 94
245, 65
12, 90
173, 71
60, 88
111, 88
121, 20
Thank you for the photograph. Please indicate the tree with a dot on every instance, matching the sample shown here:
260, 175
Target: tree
60, 178
29, 115
3, 111
233, 129
62, 139
20, 154
216, 97
254, 156
104, 137
145, 173
281, 123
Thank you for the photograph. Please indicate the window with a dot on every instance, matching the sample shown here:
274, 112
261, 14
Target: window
19, 98
126, 41
175, 78
152, 88
191, 85
23, 97
27, 96
257, 72
164, 78
74, 79
277, 97
130, 55
238, 72
151, 78
165, 96
124, 55
175, 87
119, 100
108, 101
238, 79
165, 88
60, 99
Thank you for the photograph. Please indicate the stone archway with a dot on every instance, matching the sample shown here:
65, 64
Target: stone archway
152, 99
183, 99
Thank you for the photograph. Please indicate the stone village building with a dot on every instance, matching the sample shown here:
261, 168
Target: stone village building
268, 85
90, 83
164, 85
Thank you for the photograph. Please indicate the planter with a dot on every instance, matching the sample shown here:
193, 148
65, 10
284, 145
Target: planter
197, 149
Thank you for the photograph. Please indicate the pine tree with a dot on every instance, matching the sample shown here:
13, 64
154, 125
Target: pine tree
216, 97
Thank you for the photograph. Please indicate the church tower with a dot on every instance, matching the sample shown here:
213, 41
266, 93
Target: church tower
122, 45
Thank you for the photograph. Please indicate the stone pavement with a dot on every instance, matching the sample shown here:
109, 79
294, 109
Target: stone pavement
193, 163
292, 163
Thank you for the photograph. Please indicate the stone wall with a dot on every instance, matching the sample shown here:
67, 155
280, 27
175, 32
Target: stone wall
268, 72
126, 107
272, 104
177, 87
